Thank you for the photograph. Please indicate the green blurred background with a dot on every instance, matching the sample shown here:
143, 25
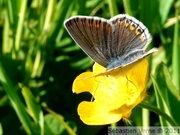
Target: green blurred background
39, 61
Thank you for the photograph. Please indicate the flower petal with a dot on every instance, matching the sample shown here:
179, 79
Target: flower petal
92, 113
83, 83
98, 68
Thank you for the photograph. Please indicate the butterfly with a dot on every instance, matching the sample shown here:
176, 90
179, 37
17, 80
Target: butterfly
112, 43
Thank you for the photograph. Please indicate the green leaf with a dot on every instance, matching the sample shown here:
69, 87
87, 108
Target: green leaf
167, 96
158, 111
176, 50
34, 109
58, 123
15, 101
52, 125
164, 8
113, 7
1, 130
16, 13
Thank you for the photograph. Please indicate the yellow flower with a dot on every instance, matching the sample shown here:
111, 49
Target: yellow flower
115, 92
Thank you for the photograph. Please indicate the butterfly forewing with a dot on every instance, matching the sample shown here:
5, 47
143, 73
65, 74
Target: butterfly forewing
92, 34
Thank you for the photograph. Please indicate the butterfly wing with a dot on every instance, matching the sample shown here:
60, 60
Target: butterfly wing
130, 40
129, 34
93, 35
111, 43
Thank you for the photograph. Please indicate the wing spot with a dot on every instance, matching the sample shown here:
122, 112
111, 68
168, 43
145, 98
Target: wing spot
141, 38
138, 31
131, 27
126, 24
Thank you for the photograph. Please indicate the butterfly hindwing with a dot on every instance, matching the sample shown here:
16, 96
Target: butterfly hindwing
130, 34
